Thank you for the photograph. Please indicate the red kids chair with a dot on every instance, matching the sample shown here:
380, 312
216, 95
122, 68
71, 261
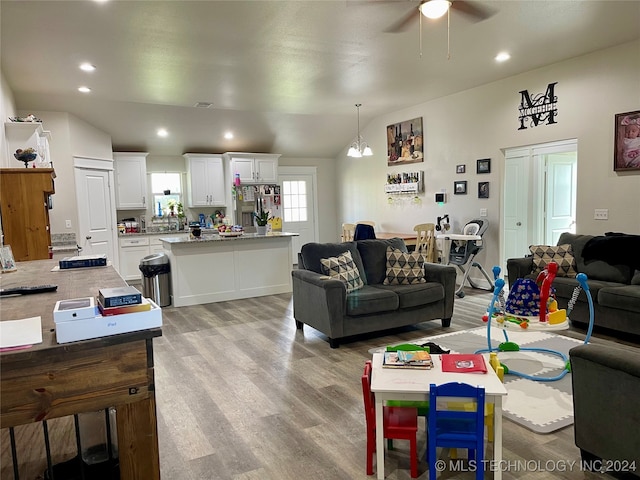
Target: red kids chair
400, 423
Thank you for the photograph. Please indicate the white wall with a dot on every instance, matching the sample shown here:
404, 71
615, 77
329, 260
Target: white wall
481, 123
7, 109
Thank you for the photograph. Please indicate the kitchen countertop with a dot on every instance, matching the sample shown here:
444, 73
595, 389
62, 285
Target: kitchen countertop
165, 233
206, 238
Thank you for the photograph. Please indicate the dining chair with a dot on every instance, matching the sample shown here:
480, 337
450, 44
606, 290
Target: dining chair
426, 241
399, 423
367, 222
456, 428
364, 231
348, 229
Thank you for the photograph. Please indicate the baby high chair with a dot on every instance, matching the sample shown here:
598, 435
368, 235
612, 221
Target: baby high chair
462, 253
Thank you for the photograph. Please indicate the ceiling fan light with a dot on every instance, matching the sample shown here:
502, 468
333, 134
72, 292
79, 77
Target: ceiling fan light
435, 8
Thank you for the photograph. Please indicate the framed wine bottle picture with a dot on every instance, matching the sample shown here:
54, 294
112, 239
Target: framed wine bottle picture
405, 142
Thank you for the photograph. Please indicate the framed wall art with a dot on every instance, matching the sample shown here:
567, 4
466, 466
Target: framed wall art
483, 189
405, 142
483, 165
626, 155
460, 188
461, 168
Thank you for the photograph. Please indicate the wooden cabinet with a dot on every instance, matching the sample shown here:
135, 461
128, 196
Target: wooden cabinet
254, 167
130, 171
205, 175
24, 195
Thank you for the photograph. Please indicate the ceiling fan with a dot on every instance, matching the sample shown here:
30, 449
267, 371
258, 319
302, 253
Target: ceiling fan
438, 8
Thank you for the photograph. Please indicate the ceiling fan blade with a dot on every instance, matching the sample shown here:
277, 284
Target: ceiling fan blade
404, 23
472, 10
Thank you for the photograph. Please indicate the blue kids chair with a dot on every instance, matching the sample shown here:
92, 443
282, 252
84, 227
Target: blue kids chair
456, 428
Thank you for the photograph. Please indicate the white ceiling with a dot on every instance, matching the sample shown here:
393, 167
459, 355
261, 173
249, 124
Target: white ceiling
282, 75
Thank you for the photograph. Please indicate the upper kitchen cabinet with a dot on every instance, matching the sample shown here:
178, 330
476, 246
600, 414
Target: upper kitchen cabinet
23, 135
130, 171
205, 175
254, 167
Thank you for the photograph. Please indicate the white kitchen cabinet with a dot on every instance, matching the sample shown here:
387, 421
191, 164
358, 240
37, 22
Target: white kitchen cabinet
206, 185
132, 250
130, 172
254, 167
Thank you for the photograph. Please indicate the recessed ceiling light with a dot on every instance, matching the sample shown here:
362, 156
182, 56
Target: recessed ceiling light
502, 57
163, 132
228, 135
84, 89
87, 67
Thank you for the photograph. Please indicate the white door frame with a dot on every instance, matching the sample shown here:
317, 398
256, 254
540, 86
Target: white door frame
535, 170
103, 165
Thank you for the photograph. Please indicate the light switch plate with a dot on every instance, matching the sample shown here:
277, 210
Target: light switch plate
483, 212
601, 214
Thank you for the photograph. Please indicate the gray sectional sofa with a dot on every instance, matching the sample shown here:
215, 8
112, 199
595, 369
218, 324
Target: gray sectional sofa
606, 388
324, 304
611, 265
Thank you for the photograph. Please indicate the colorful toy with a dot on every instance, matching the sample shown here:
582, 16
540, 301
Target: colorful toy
532, 306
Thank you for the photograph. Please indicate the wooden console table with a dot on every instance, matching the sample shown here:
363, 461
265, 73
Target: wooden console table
51, 380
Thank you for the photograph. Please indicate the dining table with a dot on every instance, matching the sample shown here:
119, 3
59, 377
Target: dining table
413, 384
409, 238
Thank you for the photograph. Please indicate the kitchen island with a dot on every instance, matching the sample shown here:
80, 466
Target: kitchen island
214, 268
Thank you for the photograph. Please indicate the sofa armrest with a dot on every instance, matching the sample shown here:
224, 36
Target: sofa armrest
445, 275
606, 387
319, 301
519, 268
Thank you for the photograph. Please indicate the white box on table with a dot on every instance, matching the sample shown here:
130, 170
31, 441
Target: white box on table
99, 326
74, 309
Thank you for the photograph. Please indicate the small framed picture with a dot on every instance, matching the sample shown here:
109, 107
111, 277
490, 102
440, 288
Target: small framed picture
6, 259
461, 168
483, 189
460, 188
483, 165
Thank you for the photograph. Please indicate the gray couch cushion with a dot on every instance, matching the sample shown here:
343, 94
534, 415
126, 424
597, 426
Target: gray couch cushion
374, 257
371, 300
594, 269
311, 253
417, 294
623, 298
566, 286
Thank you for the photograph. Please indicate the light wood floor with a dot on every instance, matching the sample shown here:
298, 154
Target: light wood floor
242, 395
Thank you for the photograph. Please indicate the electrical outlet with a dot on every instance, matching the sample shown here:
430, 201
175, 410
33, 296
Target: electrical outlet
483, 212
67, 223
601, 214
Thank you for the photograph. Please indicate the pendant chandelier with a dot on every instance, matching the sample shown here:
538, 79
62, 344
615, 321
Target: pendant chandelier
359, 148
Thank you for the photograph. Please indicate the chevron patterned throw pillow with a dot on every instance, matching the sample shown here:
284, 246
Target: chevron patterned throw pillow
561, 254
343, 268
404, 268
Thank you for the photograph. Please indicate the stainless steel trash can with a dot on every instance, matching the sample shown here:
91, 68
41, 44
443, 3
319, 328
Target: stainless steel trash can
156, 278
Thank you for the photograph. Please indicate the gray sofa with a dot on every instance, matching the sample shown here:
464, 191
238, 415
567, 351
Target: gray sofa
324, 304
615, 287
606, 388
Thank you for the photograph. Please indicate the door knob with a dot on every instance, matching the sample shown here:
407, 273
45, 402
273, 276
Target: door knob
88, 237
518, 224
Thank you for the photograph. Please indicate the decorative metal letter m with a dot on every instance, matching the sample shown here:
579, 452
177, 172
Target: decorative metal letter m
539, 108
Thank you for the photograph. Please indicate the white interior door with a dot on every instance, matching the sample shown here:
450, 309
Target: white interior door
515, 217
299, 205
95, 222
539, 196
560, 195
